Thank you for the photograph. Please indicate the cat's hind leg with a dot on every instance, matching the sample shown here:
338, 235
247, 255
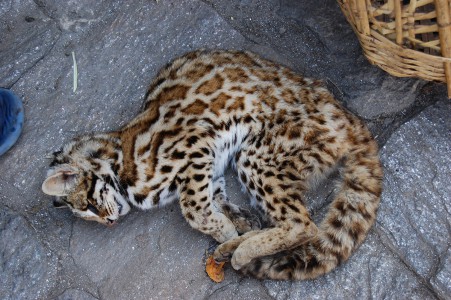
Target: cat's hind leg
257, 243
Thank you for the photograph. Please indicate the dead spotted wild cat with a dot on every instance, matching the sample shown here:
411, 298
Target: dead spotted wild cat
282, 132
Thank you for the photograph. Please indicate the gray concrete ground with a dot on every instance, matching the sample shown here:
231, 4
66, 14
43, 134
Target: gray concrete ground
119, 45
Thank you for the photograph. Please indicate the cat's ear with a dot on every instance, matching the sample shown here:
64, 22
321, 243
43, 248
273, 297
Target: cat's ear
60, 183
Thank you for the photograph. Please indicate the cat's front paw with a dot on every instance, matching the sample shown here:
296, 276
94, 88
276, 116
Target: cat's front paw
220, 256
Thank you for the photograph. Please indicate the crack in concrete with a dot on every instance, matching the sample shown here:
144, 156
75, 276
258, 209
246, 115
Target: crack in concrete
71, 288
79, 268
27, 70
228, 22
385, 241
433, 187
222, 288
370, 288
42, 241
434, 268
42, 8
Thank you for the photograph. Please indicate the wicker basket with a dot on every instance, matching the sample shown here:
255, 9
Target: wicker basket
406, 38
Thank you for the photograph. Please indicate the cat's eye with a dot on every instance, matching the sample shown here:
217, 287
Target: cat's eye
92, 209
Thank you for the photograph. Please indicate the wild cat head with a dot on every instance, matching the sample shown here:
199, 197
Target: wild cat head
82, 176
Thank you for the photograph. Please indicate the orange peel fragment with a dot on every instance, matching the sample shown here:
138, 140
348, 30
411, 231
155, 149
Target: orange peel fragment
214, 270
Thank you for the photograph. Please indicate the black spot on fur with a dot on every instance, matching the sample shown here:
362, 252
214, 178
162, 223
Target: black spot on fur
154, 187
257, 265
243, 178
203, 187
166, 169
205, 150
293, 208
217, 191
97, 154
173, 186
268, 189
156, 198
251, 185
139, 198
247, 163
295, 197
337, 224
353, 185
196, 155
334, 239
178, 154
192, 140
198, 166
288, 264
317, 157
292, 176
248, 119
355, 232
311, 264
270, 207
285, 186
199, 177
269, 174
183, 169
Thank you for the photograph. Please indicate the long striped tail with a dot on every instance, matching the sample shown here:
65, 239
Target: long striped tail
349, 218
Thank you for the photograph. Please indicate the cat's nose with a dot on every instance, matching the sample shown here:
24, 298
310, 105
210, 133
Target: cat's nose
110, 222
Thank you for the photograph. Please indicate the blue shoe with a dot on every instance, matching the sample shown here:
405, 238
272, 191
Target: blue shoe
11, 119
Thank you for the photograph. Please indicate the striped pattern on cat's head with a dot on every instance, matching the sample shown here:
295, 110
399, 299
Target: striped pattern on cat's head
82, 177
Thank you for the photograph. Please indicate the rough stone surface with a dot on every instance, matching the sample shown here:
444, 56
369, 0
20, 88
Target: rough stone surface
22, 49
27, 266
47, 253
417, 195
373, 272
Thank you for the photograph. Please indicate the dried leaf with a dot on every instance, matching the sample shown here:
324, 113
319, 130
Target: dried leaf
214, 270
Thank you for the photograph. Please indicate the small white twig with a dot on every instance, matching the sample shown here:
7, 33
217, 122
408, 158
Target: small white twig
75, 72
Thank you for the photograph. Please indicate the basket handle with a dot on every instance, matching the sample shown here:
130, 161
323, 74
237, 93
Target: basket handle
444, 30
